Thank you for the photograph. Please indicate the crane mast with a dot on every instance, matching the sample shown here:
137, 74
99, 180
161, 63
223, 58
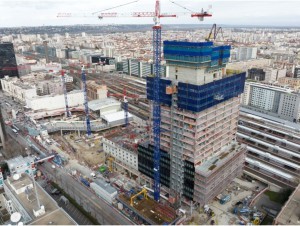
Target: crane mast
63, 78
86, 107
156, 103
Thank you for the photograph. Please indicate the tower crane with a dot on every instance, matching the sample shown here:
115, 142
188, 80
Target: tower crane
124, 96
86, 107
63, 78
157, 71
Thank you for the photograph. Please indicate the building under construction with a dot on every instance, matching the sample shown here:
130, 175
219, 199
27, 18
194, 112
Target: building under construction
199, 115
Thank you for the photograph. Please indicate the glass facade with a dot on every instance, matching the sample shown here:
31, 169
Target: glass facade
8, 64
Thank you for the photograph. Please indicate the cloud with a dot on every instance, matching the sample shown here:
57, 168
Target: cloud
235, 12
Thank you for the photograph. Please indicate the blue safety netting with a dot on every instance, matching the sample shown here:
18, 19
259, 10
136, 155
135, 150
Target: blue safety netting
163, 97
198, 98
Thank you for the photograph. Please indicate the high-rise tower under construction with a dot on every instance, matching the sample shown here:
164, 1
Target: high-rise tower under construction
199, 115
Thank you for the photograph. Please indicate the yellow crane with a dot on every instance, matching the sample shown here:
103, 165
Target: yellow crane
143, 191
110, 162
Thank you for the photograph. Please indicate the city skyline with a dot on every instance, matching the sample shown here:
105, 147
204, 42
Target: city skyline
244, 12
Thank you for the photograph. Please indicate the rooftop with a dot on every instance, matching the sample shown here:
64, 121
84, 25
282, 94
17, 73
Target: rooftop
53, 95
138, 134
115, 116
105, 186
19, 161
53, 213
215, 162
96, 105
271, 87
271, 119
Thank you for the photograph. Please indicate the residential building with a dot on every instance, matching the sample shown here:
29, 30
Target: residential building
53, 84
18, 89
36, 84
273, 100
8, 64
289, 106
292, 82
199, 113
141, 69
96, 91
297, 72
273, 74
246, 53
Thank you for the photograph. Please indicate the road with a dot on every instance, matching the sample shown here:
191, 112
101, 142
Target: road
69, 207
103, 212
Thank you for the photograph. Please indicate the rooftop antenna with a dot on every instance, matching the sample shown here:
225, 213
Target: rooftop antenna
34, 185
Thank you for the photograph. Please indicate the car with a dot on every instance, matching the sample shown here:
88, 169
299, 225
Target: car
53, 166
55, 191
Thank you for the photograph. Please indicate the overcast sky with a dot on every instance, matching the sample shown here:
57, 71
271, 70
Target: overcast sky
239, 12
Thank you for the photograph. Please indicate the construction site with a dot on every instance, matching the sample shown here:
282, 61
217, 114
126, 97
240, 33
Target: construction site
159, 146
211, 120
235, 205
145, 210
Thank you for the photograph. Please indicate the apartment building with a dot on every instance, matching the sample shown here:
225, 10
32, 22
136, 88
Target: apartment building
199, 113
96, 91
273, 100
35, 84
17, 89
292, 82
246, 53
141, 69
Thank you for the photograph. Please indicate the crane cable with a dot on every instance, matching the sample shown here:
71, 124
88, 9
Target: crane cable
115, 7
175, 3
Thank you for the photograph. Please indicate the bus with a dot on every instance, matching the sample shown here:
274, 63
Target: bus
15, 131
16, 128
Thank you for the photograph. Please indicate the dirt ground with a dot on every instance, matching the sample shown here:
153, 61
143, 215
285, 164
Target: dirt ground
223, 213
89, 152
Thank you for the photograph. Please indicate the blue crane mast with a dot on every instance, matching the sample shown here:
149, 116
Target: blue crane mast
156, 102
86, 107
